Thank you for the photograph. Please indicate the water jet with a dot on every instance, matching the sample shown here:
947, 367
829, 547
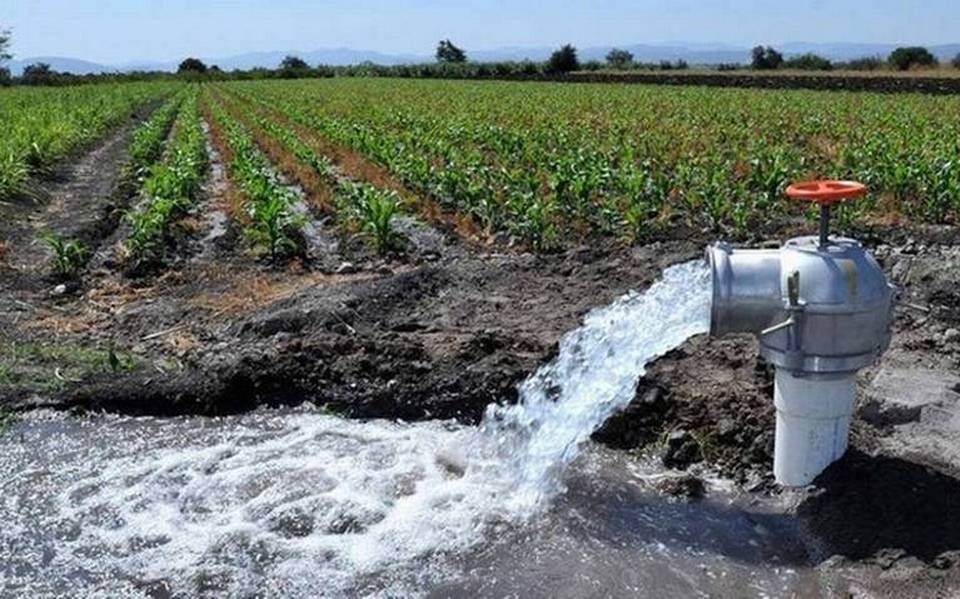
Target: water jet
821, 309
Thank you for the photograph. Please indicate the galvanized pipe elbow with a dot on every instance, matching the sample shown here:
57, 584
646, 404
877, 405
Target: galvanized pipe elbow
746, 289
816, 310
821, 308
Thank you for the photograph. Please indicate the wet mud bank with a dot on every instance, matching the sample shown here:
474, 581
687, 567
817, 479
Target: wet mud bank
436, 340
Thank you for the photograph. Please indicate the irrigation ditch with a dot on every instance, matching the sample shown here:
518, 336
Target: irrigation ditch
439, 334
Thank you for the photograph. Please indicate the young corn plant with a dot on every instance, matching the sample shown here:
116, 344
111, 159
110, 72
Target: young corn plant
379, 208
274, 224
43, 124
359, 205
69, 255
638, 211
148, 226
533, 220
13, 174
148, 138
170, 189
445, 140
371, 210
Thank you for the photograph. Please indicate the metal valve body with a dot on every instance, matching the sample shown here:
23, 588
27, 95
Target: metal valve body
821, 309
818, 310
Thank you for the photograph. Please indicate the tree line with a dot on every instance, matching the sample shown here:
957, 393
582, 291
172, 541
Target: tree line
452, 62
766, 58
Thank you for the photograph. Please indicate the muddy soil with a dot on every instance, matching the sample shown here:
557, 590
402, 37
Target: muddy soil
82, 199
443, 333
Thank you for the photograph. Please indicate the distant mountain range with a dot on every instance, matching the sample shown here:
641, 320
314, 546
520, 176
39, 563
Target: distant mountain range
692, 52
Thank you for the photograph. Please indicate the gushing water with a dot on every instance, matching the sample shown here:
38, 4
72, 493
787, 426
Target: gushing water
594, 374
305, 503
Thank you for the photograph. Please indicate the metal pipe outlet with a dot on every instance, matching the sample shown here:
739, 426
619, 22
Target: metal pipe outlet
821, 309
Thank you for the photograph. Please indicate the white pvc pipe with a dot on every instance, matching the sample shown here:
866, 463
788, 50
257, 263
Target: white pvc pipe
813, 424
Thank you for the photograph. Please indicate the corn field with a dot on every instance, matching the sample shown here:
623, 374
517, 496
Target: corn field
43, 125
539, 164
544, 162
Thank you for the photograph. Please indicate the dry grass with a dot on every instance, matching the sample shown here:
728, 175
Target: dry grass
102, 303
887, 212
63, 324
114, 293
182, 343
249, 291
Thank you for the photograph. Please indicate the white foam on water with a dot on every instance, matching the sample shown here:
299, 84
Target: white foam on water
594, 374
308, 504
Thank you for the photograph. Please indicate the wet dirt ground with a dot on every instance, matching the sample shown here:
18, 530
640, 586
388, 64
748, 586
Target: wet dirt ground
449, 326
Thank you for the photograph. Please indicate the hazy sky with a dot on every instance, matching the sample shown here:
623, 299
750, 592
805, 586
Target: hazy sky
115, 31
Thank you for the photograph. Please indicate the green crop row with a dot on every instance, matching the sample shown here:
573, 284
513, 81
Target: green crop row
359, 205
150, 138
146, 145
547, 161
172, 186
43, 125
274, 223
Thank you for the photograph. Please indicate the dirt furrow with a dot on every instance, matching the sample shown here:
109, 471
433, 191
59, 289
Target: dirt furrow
425, 242
211, 213
109, 251
85, 203
314, 197
357, 167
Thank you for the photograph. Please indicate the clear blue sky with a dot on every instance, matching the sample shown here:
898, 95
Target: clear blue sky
114, 31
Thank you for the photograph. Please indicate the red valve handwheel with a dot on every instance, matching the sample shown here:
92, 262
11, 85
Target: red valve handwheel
826, 192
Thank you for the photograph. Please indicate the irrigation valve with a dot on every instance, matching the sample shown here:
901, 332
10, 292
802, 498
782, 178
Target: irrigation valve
821, 309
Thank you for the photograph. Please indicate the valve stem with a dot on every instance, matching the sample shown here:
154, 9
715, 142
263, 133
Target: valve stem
824, 224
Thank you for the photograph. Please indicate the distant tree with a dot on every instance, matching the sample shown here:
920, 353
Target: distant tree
447, 52
324, 70
192, 65
591, 65
528, 67
765, 58
293, 67
5, 54
38, 73
904, 59
865, 63
619, 59
563, 60
293, 63
808, 62
679, 65
956, 61
5, 45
